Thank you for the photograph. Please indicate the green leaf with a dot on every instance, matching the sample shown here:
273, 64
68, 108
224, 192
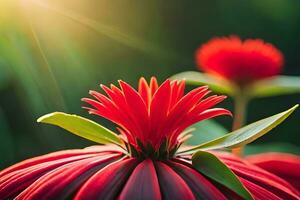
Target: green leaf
209, 165
245, 134
205, 131
271, 147
82, 127
198, 79
278, 85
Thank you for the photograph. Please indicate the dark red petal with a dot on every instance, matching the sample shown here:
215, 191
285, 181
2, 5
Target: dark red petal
233, 161
257, 176
264, 179
142, 184
15, 181
283, 165
171, 184
259, 193
201, 186
108, 182
50, 157
63, 181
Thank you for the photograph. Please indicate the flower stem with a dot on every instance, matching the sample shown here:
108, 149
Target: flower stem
240, 112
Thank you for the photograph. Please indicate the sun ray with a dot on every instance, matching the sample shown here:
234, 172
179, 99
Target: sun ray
59, 97
113, 33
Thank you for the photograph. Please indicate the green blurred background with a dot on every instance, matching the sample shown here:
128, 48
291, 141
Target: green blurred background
53, 52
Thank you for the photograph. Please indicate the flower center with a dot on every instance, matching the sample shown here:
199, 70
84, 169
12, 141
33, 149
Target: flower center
148, 151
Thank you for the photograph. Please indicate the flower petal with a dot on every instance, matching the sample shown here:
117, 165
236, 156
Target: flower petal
264, 179
283, 165
107, 183
15, 181
50, 157
159, 110
63, 181
137, 108
259, 193
202, 188
142, 184
171, 184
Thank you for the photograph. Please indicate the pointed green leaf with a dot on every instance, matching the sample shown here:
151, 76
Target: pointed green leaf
205, 131
209, 165
245, 134
82, 127
198, 79
278, 85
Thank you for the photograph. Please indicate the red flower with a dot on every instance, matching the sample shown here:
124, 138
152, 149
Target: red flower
154, 114
241, 62
283, 165
150, 121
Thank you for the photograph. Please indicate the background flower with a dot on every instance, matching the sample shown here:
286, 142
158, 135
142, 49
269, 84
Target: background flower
241, 62
242, 69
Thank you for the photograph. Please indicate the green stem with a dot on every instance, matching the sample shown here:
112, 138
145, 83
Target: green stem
239, 119
240, 111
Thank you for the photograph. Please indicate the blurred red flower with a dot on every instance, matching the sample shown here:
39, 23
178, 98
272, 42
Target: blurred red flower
283, 165
238, 61
150, 121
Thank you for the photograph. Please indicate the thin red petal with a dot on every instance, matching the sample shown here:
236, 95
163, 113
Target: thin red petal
142, 184
153, 85
159, 110
208, 103
259, 193
266, 180
202, 188
106, 183
50, 157
207, 114
144, 91
283, 165
16, 181
65, 180
171, 184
